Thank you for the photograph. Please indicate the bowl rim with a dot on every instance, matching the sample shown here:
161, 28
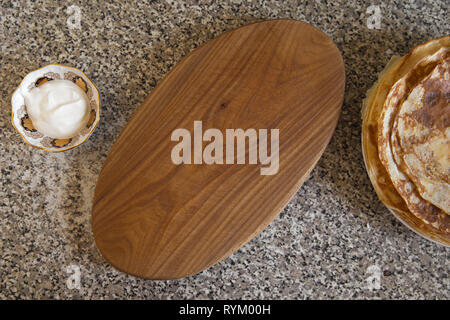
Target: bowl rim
94, 125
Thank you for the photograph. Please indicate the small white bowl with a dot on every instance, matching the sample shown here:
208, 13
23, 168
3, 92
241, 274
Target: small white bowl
22, 122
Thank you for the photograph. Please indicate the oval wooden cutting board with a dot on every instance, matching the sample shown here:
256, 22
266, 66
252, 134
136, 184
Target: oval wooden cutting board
159, 220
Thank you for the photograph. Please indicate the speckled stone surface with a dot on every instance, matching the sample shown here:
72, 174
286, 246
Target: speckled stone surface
332, 238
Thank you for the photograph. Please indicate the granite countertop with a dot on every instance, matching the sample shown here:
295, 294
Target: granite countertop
335, 239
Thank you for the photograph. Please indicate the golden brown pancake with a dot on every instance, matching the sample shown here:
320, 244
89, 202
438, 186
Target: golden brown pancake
397, 124
408, 162
421, 134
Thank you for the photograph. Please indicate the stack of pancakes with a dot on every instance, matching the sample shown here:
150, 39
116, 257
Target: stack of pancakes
406, 138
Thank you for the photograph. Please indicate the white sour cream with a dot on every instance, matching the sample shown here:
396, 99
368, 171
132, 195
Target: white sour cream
57, 108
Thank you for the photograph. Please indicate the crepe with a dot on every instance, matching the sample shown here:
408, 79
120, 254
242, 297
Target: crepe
420, 136
407, 158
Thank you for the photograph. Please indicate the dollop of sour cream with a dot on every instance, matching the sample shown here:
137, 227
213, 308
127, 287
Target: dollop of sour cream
57, 108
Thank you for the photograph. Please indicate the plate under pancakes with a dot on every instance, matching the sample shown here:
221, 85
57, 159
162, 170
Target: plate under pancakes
399, 135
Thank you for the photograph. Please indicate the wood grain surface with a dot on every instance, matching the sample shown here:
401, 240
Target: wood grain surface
157, 220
